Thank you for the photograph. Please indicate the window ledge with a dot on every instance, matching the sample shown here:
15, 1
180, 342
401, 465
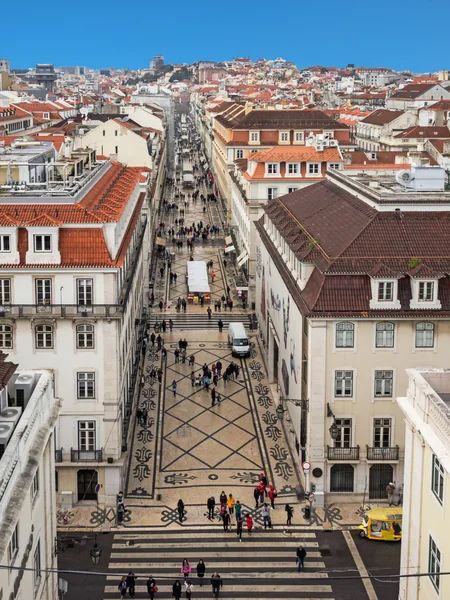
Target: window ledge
426, 305
376, 304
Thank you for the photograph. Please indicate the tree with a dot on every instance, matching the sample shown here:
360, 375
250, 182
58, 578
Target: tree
181, 74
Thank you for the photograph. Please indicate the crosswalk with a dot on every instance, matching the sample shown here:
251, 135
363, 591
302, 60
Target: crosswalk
262, 566
186, 321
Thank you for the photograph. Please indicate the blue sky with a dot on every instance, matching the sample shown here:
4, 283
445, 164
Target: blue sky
371, 33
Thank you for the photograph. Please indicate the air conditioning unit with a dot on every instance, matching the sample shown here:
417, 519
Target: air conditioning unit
11, 414
6, 431
319, 148
334, 143
23, 388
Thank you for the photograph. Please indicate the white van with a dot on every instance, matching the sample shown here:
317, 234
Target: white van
238, 339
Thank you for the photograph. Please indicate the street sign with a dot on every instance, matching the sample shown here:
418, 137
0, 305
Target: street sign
97, 488
306, 466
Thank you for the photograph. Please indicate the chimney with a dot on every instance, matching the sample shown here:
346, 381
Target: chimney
248, 107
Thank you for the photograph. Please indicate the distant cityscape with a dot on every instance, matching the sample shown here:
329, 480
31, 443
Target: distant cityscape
288, 226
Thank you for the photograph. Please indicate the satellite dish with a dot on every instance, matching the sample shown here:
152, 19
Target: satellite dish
405, 178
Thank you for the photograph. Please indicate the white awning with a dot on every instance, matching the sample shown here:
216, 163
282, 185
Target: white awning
229, 249
197, 276
241, 261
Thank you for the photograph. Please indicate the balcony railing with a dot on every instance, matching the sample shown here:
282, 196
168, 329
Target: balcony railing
86, 455
343, 453
383, 453
106, 311
59, 455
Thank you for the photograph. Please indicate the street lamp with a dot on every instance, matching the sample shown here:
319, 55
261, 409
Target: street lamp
334, 429
95, 552
296, 401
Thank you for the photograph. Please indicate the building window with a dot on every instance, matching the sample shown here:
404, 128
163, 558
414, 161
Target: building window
6, 336
239, 154
434, 564
85, 385
341, 479
35, 484
5, 243
86, 435
334, 166
293, 168
384, 384
272, 168
382, 433
43, 291
343, 384
426, 291
384, 335
284, 136
272, 193
5, 291
44, 336
292, 190
116, 133
84, 292
299, 136
104, 133
14, 544
344, 436
37, 565
437, 481
345, 334
385, 291
85, 336
42, 243
314, 168
424, 335
254, 136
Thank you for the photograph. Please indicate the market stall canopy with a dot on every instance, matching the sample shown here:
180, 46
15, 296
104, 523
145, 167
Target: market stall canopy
229, 249
228, 240
197, 276
160, 241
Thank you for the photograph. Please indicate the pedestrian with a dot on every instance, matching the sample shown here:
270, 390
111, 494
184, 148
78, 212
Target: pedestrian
160, 305
122, 587
272, 495
212, 276
139, 415
131, 584
263, 481
174, 387
152, 338
238, 509
289, 514
185, 568
216, 583
152, 588
223, 498
201, 568
262, 490
211, 505
225, 379
266, 516
164, 353
176, 590
192, 378
219, 368
144, 417
164, 326
301, 555
231, 502
189, 587
239, 523
213, 396
170, 325
219, 398
256, 495
220, 324
209, 311
249, 522
160, 375
159, 341
390, 489
191, 360
183, 356
180, 508
177, 355
225, 518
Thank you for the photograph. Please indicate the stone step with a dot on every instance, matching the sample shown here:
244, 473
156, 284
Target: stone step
210, 545
169, 574
268, 587
243, 553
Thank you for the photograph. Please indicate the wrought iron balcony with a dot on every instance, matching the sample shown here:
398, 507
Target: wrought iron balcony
351, 453
86, 455
383, 453
59, 455
98, 311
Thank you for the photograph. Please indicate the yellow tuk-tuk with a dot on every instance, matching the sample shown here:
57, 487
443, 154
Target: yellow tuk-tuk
382, 524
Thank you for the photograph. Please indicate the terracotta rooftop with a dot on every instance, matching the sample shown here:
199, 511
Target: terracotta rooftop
295, 153
424, 132
279, 119
382, 117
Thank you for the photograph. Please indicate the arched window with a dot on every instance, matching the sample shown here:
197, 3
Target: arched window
6, 336
44, 336
345, 333
425, 335
85, 336
384, 335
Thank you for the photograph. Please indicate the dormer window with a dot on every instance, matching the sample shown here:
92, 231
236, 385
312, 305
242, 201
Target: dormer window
298, 137
272, 168
385, 291
284, 137
42, 243
5, 243
293, 168
254, 137
426, 291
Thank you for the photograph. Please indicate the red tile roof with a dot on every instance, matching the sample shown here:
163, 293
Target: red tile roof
418, 132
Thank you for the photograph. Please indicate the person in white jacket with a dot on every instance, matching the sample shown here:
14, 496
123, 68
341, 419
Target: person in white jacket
189, 587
